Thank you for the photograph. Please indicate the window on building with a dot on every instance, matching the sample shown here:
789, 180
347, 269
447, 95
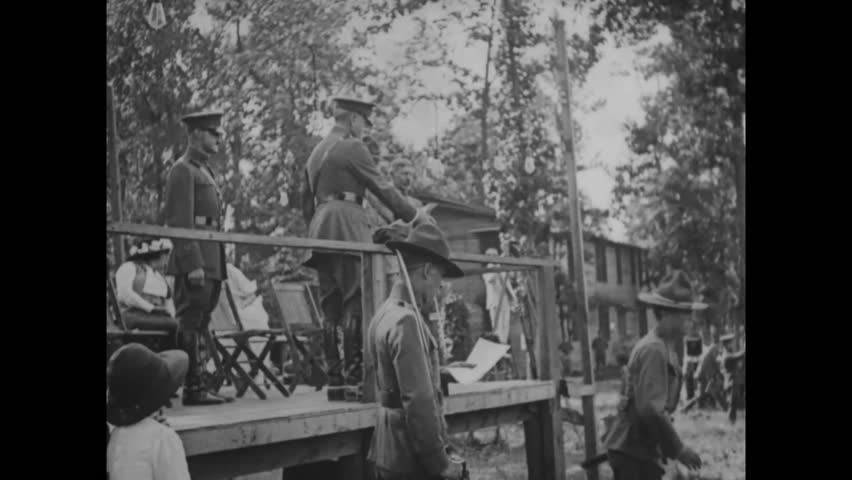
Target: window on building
603, 322
633, 267
622, 322
600, 261
640, 269
618, 278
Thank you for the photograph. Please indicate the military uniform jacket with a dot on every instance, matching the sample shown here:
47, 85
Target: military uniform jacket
643, 428
341, 164
192, 201
411, 433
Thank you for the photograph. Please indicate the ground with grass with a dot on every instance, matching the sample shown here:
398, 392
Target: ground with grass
720, 444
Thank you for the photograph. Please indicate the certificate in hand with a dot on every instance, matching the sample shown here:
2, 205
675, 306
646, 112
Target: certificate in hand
484, 356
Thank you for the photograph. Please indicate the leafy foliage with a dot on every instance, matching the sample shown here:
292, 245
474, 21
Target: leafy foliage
683, 190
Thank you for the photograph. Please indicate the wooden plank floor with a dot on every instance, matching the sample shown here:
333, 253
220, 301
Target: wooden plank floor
250, 421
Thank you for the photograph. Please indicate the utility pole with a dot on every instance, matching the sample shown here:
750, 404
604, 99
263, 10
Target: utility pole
587, 392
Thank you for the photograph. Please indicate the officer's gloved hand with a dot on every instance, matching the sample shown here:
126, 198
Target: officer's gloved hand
424, 215
396, 231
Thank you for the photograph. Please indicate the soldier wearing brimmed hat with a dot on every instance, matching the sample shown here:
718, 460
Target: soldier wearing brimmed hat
410, 439
338, 173
193, 201
643, 437
139, 385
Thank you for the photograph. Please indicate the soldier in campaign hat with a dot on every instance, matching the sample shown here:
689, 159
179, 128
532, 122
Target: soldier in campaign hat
338, 173
643, 437
410, 440
193, 201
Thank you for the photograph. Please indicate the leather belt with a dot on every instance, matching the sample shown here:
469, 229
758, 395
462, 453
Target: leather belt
390, 400
206, 222
344, 196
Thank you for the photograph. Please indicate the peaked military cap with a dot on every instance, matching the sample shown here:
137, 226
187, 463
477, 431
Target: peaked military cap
203, 120
350, 102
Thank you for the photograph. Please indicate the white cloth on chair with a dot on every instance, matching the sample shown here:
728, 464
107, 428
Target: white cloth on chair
249, 307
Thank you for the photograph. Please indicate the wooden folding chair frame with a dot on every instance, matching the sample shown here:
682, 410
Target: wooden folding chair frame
228, 365
319, 370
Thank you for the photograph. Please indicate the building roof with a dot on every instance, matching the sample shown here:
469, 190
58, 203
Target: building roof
491, 214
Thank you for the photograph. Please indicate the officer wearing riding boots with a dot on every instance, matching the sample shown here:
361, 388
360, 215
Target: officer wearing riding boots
643, 437
193, 201
338, 173
410, 438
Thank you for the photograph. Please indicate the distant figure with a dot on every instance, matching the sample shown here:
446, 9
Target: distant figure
693, 349
143, 295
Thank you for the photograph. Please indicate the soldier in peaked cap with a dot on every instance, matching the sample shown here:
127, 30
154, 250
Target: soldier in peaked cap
193, 201
338, 173
642, 437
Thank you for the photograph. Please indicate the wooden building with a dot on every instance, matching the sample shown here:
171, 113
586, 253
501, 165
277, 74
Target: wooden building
615, 272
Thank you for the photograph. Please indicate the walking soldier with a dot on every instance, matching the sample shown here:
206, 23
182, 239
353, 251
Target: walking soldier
643, 437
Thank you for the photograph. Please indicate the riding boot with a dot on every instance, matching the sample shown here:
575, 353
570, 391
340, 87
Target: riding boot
194, 392
334, 391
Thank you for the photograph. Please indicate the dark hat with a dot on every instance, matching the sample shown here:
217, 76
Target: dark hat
140, 382
674, 292
355, 104
427, 241
203, 120
144, 249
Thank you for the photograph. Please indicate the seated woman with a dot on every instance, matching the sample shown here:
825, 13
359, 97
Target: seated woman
144, 297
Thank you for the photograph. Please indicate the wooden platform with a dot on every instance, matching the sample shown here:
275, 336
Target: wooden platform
253, 435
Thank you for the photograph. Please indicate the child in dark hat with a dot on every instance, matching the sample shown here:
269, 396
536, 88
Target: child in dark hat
139, 384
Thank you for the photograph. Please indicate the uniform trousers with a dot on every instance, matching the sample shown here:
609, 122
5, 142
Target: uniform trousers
193, 305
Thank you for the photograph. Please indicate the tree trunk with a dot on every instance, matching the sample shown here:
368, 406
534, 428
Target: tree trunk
486, 97
114, 174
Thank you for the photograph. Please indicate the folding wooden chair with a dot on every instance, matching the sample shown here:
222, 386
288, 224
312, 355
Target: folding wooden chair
303, 323
119, 335
227, 332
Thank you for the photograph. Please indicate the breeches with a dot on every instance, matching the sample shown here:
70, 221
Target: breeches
194, 304
340, 300
625, 467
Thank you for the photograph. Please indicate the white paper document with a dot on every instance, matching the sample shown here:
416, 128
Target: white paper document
485, 356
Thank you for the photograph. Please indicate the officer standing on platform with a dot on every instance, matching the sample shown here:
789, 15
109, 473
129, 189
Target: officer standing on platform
193, 201
338, 172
